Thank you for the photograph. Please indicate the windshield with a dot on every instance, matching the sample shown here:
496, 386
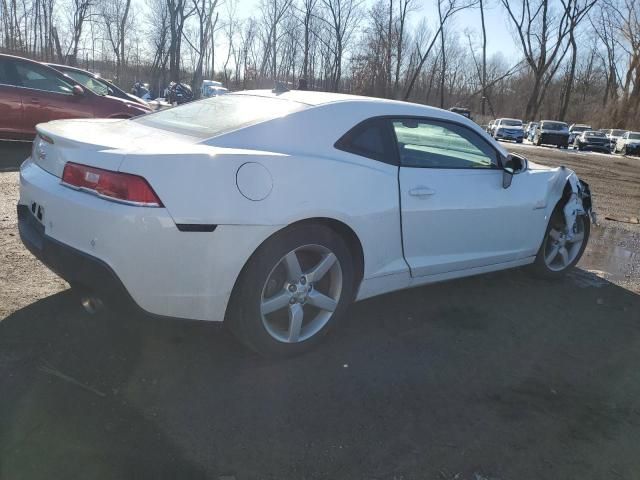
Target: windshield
579, 129
554, 126
215, 116
88, 81
594, 134
511, 123
634, 136
617, 133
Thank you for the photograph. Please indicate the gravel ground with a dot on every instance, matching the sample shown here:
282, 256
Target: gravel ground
493, 377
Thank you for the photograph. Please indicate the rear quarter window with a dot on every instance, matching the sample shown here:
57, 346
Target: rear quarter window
371, 139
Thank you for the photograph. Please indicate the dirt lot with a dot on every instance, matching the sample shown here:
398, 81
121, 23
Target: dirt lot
500, 376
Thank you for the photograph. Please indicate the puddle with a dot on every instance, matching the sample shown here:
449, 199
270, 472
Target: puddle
612, 254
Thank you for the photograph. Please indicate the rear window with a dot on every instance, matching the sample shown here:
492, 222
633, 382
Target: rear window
634, 136
617, 133
594, 134
215, 116
511, 123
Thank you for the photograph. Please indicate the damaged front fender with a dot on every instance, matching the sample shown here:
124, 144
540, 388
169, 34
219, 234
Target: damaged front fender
573, 196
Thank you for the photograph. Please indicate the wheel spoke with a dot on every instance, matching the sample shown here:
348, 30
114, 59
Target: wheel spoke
321, 269
292, 264
555, 234
564, 254
550, 257
578, 237
321, 301
277, 302
296, 314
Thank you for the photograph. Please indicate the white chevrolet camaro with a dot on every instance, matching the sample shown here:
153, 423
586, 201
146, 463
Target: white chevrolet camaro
274, 211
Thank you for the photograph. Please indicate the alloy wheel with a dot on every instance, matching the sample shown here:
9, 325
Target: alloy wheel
562, 248
301, 293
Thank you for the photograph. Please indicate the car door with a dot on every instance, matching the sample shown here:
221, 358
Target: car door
12, 124
48, 95
455, 213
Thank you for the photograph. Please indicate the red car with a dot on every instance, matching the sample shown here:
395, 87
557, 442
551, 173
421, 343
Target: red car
32, 93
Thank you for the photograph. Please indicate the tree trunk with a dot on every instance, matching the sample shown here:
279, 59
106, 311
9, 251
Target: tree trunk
566, 100
484, 58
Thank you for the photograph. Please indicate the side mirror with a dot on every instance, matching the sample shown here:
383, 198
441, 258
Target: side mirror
512, 165
78, 90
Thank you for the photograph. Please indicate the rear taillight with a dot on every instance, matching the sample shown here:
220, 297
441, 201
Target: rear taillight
116, 186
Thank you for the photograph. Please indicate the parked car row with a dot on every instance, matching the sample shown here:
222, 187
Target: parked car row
560, 134
32, 92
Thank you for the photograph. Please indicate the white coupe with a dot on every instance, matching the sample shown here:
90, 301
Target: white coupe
274, 211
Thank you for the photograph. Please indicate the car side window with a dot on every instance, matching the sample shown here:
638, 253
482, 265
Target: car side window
435, 144
6, 72
89, 82
38, 78
370, 139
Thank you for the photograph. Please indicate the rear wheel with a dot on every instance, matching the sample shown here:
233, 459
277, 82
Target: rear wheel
561, 250
292, 290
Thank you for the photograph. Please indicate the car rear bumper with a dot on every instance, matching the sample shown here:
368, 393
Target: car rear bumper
632, 149
554, 139
76, 267
595, 146
517, 137
133, 252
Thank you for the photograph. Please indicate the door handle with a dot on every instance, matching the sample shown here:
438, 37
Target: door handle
35, 100
421, 192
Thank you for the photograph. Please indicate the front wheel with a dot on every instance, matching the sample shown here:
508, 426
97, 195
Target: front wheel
293, 289
561, 250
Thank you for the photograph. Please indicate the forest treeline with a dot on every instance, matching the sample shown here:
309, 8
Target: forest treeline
577, 60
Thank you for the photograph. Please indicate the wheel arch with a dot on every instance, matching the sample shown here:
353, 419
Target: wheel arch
343, 230
340, 228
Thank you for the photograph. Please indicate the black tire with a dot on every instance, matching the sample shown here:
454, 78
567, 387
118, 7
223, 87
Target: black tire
623, 151
539, 266
537, 140
244, 315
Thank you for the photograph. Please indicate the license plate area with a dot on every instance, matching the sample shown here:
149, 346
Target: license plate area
38, 211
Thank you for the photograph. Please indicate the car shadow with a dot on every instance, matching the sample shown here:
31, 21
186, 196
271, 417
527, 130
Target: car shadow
499, 375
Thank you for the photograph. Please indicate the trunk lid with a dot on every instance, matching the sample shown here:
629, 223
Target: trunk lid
100, 143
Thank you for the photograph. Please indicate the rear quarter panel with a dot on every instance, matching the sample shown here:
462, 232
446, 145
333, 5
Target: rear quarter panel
362, 193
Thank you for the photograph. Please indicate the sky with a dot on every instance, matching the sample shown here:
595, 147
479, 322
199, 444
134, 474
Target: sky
499, 38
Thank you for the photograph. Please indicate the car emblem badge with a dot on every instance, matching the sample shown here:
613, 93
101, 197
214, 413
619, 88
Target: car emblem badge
41, 153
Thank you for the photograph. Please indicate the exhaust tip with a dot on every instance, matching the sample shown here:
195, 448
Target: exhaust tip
91, 304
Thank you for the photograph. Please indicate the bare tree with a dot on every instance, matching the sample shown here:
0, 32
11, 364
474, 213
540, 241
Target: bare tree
177, 16
446, 9
542, 35
116, 22
206, 24
80, 11
577, 10
343, 16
